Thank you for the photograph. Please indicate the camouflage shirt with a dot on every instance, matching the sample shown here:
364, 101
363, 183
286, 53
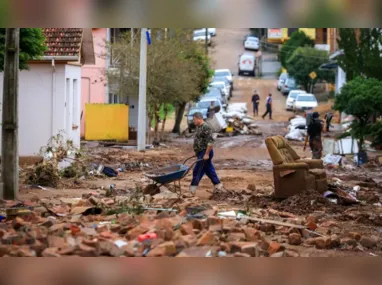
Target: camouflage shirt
203, 138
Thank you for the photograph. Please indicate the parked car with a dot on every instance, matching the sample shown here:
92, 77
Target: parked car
291, 98
289, 85
200, 36
305, 102
190, 119
252, 43
247, 64
222, 86
225, 72
283, 77
215, 93
226, 81
211, 31
246, 37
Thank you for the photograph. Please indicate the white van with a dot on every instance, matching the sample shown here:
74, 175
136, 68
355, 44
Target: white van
247, 64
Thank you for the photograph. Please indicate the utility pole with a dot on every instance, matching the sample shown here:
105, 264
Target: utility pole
9, 151
206, 42
142, 116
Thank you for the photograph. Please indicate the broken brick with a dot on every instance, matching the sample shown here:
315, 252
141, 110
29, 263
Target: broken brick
354, 235
267, 228
50, 252
241, 254
273, 247
277, 254
236, 237
335, 241
164, 249
208, 238
348, 241
291, 253
251, 234
187, 229
294, 239
311, 225
369, 241
322, 242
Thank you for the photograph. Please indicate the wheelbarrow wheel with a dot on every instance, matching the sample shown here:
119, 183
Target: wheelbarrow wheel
151, 189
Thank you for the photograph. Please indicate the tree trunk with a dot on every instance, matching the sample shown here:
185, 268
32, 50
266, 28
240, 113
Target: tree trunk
9, 151
156, 126
164, 118
179, 111
150, 117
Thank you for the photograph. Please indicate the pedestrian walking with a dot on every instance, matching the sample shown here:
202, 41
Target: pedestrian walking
268, 106
328, 119
255, 102
211, 110
314, 135
203, 147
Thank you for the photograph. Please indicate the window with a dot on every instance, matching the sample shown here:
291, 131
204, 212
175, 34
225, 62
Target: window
113, 98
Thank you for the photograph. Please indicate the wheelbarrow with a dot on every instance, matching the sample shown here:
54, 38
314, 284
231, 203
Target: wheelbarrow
166, 175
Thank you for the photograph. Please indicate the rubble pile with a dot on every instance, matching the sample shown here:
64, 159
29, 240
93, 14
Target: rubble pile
129, 223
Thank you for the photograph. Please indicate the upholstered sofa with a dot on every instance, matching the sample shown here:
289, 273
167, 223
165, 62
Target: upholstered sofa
293, 175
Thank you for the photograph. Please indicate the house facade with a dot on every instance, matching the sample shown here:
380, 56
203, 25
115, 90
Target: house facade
50, 91
94, 88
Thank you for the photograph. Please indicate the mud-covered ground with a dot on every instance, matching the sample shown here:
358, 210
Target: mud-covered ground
314, 225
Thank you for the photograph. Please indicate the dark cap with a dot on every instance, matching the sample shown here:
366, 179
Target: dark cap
315, 115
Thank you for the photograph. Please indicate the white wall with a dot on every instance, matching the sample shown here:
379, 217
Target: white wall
42, 114
72, 97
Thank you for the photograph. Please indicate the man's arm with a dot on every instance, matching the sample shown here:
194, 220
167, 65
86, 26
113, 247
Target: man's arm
210, 140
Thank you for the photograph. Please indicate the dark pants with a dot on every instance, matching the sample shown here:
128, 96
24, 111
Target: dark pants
269, 111
204, 167
255, 109
316, 147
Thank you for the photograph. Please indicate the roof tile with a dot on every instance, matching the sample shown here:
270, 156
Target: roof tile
63, 41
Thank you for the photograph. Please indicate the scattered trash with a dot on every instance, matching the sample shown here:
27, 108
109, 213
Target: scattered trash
120, 243
295, 135
222, 254
109, 172
147, 237
332, 159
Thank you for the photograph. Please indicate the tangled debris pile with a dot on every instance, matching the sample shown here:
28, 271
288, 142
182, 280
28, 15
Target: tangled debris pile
61, 159
96, 225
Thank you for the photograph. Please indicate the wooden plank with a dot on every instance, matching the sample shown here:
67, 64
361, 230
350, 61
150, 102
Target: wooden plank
278, 223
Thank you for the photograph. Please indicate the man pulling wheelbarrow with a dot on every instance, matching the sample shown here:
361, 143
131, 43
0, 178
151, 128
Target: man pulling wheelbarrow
203, 147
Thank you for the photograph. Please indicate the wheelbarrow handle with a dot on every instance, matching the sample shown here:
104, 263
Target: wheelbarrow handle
192, 166
189, 159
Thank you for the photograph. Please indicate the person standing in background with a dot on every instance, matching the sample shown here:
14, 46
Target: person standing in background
314, 135
268, 105
255, 102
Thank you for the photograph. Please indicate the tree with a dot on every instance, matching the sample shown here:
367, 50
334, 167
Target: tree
173, 74
32, 46
362, 98
297, 39
362, 52
306, 60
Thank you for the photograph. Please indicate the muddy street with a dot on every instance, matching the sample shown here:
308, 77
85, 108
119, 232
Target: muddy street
94, 214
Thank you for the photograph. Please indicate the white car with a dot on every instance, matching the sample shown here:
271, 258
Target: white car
211, 31
305, 102
283, 77
291, 98
252, 43
226, 73
221, 85
200, 36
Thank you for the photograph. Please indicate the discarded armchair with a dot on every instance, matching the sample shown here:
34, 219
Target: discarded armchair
293, 175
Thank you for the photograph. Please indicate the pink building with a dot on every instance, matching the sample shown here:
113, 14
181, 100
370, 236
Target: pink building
94, 85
